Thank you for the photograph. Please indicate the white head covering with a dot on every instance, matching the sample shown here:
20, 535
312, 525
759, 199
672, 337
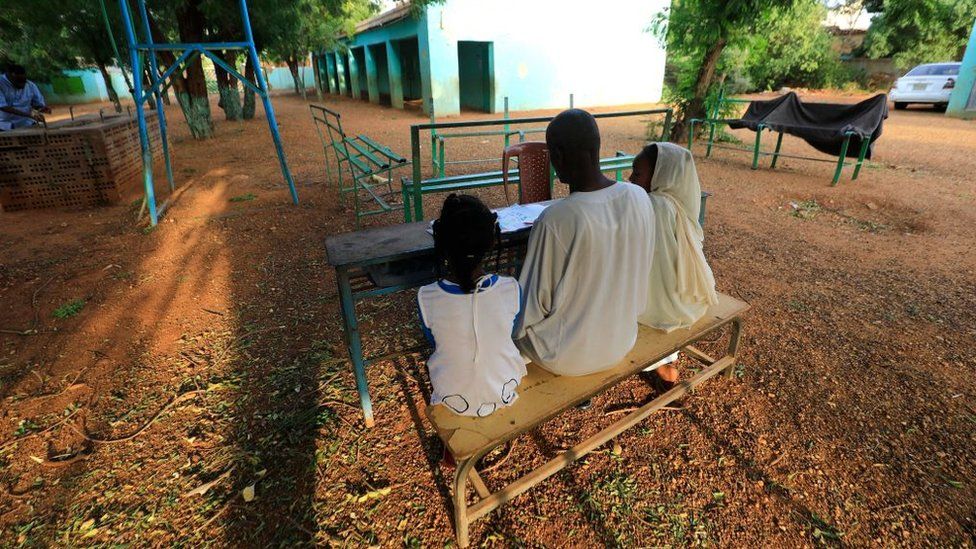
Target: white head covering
682, 285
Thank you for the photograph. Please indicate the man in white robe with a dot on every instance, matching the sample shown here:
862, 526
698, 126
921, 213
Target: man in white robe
581, 285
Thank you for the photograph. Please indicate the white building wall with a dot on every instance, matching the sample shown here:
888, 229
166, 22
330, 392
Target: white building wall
546, 49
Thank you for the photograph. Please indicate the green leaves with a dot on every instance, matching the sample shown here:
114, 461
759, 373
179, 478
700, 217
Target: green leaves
69, 309
921, 31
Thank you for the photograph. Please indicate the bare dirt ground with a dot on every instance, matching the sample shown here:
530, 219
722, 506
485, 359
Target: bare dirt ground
203, 361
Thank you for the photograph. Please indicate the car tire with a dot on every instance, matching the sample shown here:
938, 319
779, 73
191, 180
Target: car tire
940, 107
900, 106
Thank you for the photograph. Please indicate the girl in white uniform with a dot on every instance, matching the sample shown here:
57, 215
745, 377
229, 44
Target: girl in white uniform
469, 315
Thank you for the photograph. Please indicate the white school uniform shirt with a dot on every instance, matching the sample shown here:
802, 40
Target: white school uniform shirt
584, 280
475, 368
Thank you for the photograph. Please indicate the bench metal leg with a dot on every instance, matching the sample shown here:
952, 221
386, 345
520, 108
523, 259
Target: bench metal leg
355, 195
841, 160
711, 140
734, 345
779, 144
433, 153
461, 518
347, 306
691, 134
865, 143
755, 149
440, 155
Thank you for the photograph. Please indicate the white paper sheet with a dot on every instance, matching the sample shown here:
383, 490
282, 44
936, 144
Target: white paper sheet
519, 216
515, 217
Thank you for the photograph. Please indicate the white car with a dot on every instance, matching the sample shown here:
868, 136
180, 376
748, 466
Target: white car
930, 84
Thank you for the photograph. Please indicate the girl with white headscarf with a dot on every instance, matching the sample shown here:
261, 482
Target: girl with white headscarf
682, 286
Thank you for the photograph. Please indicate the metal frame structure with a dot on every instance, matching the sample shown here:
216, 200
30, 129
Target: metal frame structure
413, 196
365, 160
714, 121
157, 85
438, 141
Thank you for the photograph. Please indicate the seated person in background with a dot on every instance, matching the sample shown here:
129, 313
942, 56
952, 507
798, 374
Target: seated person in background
469, 315
584, 281
18, 98
681, 285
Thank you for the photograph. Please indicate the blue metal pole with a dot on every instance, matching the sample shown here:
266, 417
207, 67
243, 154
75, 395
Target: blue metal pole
347, 305
140, 115
157, 91
266, 100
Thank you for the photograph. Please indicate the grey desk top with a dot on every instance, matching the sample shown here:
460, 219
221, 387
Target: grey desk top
385, 244
377, 245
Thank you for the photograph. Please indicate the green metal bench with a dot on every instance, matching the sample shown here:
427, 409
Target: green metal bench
369, 164
438, 141
714, 120
616, 164
413, 193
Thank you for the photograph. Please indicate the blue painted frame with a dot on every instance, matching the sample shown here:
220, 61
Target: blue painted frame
157, 83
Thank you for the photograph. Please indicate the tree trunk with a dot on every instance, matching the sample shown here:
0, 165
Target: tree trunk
301, 78
316, 77
194, 100
112, 94
179, 83
696, 107
247, 109
293, 69
230, 97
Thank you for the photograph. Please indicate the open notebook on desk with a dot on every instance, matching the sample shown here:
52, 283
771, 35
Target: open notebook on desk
515, 217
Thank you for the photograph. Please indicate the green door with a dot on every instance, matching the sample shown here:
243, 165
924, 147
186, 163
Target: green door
475, 75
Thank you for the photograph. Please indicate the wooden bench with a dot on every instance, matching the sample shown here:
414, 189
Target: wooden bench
543, 395
455, 183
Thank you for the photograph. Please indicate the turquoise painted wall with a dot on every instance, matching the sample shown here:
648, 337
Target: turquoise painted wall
87, 85
279, 78
82, 86
546, 49
542, 51
962, 102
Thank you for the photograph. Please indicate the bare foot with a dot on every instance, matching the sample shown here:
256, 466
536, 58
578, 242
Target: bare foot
668, 373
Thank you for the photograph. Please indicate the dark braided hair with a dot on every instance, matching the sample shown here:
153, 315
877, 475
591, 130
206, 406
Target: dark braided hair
463, 236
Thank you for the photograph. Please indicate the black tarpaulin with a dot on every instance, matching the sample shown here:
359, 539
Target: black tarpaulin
823, 125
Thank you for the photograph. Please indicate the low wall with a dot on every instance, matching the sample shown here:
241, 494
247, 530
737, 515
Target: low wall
73, 87
880, 73
280, 79
89, 161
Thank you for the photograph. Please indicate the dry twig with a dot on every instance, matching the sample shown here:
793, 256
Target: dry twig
173, 402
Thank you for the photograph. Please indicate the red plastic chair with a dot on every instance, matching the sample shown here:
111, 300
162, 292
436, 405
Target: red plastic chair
533, 167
